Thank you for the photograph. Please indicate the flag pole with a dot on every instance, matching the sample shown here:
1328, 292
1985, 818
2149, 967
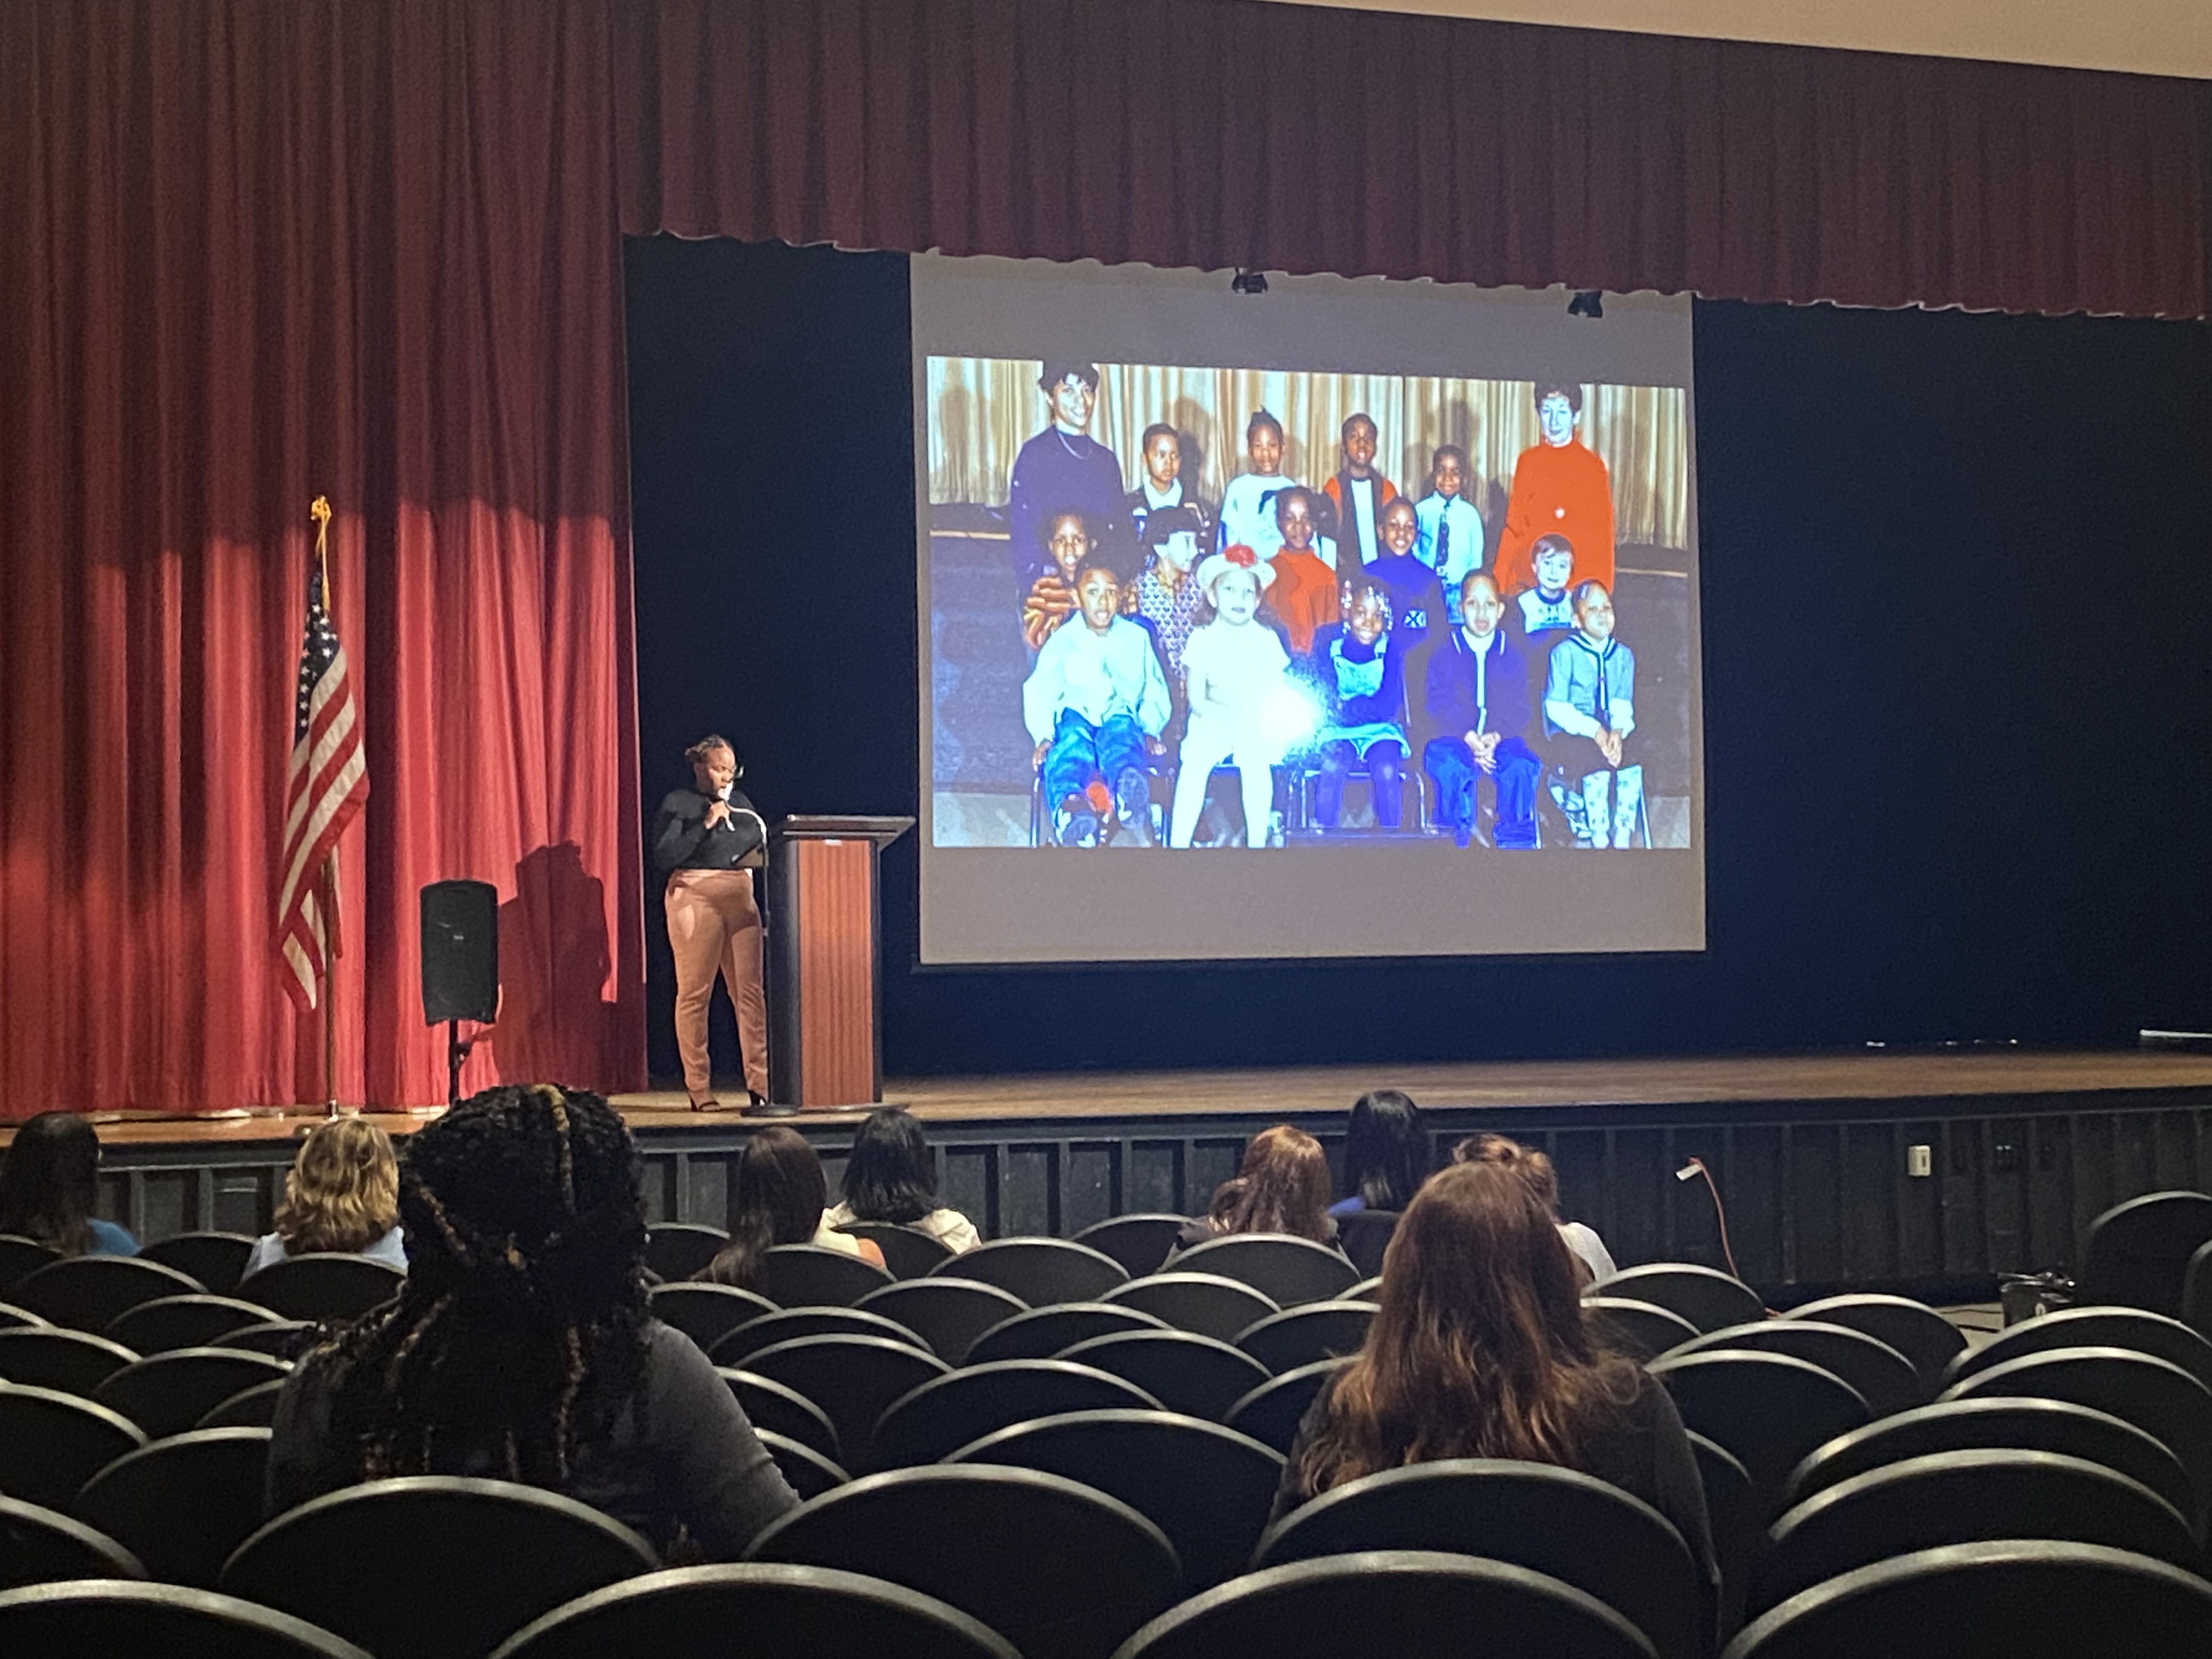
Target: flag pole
320, 513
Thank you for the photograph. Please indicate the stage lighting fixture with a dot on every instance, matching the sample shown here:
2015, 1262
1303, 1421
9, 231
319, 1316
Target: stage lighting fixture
1247, 282
1589, 303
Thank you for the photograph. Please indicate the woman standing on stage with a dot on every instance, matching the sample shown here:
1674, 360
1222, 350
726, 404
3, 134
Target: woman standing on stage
707, 840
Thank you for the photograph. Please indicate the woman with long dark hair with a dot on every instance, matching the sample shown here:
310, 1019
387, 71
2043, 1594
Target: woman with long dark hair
891, 1175
522, 1346
782, 1199
1386, 1153
1477, 1349
48, 1183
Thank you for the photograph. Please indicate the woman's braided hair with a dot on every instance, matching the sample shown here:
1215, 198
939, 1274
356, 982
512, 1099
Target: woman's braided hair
520, 1334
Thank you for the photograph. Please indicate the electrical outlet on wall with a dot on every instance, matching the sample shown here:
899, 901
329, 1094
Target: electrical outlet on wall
1920, 1160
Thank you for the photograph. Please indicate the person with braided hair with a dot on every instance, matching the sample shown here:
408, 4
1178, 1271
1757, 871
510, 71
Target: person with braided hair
522, 1348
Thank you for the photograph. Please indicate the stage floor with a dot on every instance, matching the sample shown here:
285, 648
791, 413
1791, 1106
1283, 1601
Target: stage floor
1260, 1092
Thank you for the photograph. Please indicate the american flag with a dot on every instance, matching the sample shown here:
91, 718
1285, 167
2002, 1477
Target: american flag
325, 782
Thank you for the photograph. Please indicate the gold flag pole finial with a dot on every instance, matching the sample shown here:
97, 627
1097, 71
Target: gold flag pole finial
319, 511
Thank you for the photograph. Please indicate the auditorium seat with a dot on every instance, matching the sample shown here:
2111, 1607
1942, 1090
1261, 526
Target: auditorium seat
1768, 1409
105, 1618
1409, 1604
2196, 1292
1298, 1336
2131, 1329
813, 1276
1707, 1299
776, 1408
807, 1471
181, 1506
183, 1321
1641, 1330
1039, 1271
2023, 1599
42, 1546
1365, 1235
327, 1285
1883, 1378
948, 1413
1913, 1329
217, 1260
411, 1545
785, 1323
19, 1256
852, 1379
811, 1610
87, 1292
706, 1313
168, 1393
249, 1408
1207, 1303
2137, 1253
677, 1250
1139, 1243
1964, 1498
1208, 1487
51, 1443
1738, 1530
1043, 1333
1197, 1375
1271, 1412
280, 1339
48, 1356
2047, 1425
1059, 1570
2154, 1394
1367, 1289
1287, 1270
908, 1253
946, 1314
13, 1318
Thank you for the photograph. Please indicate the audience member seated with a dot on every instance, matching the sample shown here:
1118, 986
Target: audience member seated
522, 1348
1477, 1349
342, 1194
1386, 1153
1282, 1187
47, 1185
1592, 1260
782, 1199
891, 1175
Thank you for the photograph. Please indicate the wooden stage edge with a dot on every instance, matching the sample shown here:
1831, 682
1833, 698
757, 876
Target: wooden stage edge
1050, 1101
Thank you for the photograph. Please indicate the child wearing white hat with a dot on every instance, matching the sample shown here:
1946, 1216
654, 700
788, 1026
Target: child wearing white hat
1236, 675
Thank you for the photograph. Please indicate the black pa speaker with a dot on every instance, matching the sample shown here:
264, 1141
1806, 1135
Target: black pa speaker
461, 952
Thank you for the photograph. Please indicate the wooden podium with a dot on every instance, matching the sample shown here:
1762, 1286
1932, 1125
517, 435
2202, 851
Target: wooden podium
824, 930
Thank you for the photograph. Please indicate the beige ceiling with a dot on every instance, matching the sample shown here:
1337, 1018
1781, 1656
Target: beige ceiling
2149, 37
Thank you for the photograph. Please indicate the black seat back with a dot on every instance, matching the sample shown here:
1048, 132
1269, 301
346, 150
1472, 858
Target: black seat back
806, 1470
948, 1413
1206, 1303
811, 1610
1041, 1271
1707, 1299
946, 1315
1913, 1329
2132, 1329
168, 1393
813, 1276
677, 1250
183, 1321
249, 1408
217, 1260
2137, 1253
1271, 1412
1738, 1530
50, 1357
40, 1546
776, 1408
1060, 1571
707, 1313
1044, 1333
87, 1292
1768, 1409
1208, 1488
1365, 1235
787, 1323
1410, 1604
1568, 1525
98, 1620
1883, 1378
1964, 1498
280, 1339
1298, 1336
1195, 1375
521, 1552
19, 1256
1138, 1242
1289, 1271
1642, 1330
325, 1285
51, 1443
852, 1379
908, 1252
182, 1504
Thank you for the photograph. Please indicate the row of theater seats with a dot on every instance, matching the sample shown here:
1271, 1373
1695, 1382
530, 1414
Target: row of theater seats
1038, 1494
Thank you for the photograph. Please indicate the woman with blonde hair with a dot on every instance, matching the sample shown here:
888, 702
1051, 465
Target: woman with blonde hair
342, 1194
1477, 1349
1282, 1187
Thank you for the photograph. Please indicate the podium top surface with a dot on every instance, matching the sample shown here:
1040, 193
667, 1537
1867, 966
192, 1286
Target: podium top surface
823, 826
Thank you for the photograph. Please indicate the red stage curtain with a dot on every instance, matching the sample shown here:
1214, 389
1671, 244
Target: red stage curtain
254, 252
1225, 132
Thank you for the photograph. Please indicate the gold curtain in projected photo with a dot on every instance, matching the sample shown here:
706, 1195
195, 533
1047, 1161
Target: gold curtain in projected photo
982, 408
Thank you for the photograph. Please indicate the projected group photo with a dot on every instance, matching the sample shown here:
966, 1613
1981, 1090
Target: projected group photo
1212, 608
